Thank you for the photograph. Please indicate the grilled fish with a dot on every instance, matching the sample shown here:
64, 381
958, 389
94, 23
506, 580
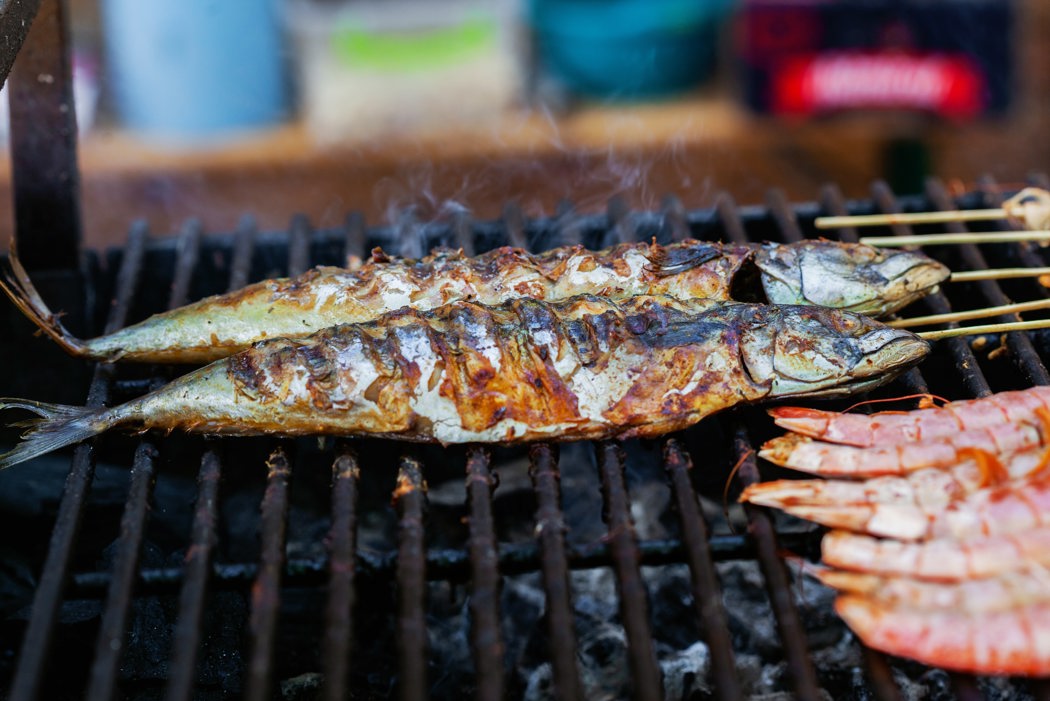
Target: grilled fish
526, 370
852, 277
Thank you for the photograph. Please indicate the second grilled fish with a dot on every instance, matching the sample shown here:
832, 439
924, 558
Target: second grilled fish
852, 277
526, 370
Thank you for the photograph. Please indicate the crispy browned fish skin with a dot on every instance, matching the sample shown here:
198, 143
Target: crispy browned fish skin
846, 276
523, 371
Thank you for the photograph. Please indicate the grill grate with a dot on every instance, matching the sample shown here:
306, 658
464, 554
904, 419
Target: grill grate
485, 557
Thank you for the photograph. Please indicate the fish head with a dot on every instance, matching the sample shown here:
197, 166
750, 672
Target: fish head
817, 352
849, 276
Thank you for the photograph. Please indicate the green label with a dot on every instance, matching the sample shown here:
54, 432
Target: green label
402, 52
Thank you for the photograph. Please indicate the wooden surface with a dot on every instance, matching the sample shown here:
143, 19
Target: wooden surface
692, 148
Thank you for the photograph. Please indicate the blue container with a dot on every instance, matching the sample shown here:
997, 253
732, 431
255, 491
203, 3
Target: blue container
195, 69
628, 48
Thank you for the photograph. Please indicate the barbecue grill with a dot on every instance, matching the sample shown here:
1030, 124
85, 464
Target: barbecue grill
182, 567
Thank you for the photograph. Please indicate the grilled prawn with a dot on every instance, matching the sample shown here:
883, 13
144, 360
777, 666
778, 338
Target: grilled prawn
906, 507
891, 428
941, 559
851, 277
833, 460
526, 370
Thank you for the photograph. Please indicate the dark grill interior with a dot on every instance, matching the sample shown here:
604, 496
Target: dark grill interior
182, 567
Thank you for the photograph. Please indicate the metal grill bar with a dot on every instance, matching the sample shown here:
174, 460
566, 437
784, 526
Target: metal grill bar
675, 220
1020, 346
198, 562
110, 645
48, 596
881, 676
707, 595
784, 216
484, 597
356, 235
937, 303
634, 609
300, 233
514, 223
44, 175
550, 531
796, 650
463, 233
411, 579
266, 591
109, 648
203, 537
342, 540
778, 584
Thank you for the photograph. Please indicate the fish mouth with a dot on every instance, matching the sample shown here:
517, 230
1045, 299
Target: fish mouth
921, 279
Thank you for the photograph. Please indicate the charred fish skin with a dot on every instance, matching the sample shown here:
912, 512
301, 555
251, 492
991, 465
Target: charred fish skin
822, 272
526, 370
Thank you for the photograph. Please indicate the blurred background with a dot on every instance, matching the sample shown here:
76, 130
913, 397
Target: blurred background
211, 109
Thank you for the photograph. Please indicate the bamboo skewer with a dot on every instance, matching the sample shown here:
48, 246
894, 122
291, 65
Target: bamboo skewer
958, 239
985, 329
972, 314
916, 218
998, 274
1030, 207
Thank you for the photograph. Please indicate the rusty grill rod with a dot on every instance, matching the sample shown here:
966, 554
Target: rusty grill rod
342, 542
266, 590
203, 537
265, 597
410, 498
550, 531
48, 596
634, 608
109, 647
707, 595
760, 528
186, 637
486, 636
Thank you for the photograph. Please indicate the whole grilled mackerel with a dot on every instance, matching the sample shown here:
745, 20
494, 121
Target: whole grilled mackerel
843, 276
526, 370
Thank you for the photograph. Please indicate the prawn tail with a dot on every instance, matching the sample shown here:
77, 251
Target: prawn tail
57, 427
20, 290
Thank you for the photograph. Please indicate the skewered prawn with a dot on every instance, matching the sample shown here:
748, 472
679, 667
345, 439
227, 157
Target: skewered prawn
1012, 641
1022, 587
938, 560
890, 428
927, 491
805, 454
1006, 508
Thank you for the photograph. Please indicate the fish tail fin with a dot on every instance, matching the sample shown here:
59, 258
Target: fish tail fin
20, 290
57, 427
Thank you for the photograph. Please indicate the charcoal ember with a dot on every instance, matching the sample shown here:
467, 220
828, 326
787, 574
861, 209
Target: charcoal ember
750, 619
685, 672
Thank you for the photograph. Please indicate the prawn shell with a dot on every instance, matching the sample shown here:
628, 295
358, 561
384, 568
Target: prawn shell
1009, 642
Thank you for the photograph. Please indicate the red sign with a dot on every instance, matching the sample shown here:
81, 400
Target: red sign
951, 86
